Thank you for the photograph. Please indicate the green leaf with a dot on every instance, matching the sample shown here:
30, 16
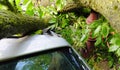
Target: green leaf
87, 31
97, 31
25, 1
117, 41
53, 20
95, 24
98, 41
26, 5
30, 12
105, 30
30, 9
113, 48
58, 4
11, 1
41, 13
84, 38
113, 40
18, 2
110, 62
3, 7
64, 22
52, 10
118, 52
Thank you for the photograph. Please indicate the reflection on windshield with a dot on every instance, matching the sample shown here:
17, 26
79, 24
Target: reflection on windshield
24, 65
50, 61
35, 63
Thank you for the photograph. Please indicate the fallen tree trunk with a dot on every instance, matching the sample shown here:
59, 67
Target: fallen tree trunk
110, 9
11, 24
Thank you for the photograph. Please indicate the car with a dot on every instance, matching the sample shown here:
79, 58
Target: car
48, 51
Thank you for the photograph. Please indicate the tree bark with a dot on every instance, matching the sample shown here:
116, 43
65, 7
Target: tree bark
110, 9
11, 23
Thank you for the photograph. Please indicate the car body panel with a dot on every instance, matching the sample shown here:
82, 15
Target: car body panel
14, 47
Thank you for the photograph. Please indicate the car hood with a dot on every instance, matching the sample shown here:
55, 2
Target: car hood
14, 47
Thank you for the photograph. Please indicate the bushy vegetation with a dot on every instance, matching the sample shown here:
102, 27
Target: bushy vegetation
73, 28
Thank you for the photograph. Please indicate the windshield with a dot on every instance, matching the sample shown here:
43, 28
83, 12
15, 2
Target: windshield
61, 59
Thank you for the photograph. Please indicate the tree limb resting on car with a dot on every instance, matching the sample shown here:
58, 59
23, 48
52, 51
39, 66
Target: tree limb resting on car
11, 23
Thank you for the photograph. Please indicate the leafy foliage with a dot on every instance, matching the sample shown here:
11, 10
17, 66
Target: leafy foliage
74, 28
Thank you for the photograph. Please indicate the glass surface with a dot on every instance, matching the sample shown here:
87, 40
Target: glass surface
61, 59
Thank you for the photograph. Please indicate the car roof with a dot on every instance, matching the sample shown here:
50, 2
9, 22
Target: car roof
14, 47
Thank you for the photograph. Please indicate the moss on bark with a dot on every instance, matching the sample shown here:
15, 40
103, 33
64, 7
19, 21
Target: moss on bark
11, 23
